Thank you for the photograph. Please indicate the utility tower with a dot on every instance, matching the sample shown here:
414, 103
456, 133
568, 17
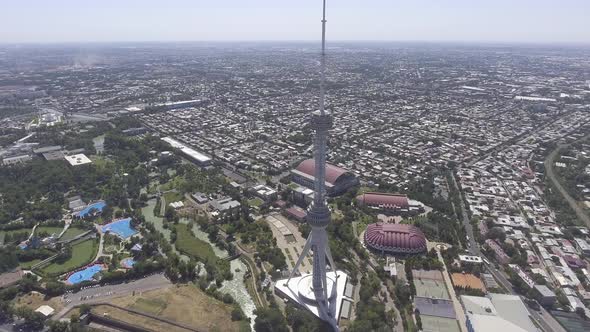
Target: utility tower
321, 291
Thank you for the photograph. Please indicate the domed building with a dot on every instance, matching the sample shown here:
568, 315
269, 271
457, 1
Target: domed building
396, 239
338, 180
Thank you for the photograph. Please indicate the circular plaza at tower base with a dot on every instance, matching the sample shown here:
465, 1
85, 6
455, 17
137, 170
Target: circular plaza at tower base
299, 292
305, 288
395, 239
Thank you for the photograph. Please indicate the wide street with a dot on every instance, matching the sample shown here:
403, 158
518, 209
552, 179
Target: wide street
104, 293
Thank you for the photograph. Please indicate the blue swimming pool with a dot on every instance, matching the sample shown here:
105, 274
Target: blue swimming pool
128, 262
121, 228
85, 275
98, 205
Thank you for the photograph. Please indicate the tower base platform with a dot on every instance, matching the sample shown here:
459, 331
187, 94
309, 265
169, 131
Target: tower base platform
299, 290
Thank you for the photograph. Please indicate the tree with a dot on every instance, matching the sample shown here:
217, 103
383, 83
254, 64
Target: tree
497, 233
270, 320
227, 298
58, 326
302, 320
28, 283
236, 314
33, 320
54, 288
84, 309
5, 311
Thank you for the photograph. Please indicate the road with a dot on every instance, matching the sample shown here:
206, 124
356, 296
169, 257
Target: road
542, 317
545, 320
456, 304
473, 247
580, 213
104, 293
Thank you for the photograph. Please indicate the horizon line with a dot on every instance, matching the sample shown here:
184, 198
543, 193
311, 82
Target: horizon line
227, 41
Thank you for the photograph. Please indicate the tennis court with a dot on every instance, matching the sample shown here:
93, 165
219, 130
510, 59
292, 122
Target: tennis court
85, 274
439, 324
434, 289
121, 228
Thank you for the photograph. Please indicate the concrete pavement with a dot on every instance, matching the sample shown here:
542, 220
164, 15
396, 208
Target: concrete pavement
456, 304
104, 293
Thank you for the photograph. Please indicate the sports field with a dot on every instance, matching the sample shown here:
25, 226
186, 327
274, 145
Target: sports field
82, 254
434, 289
439, 324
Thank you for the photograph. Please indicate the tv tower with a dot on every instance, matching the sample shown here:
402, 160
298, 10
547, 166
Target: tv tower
319, 291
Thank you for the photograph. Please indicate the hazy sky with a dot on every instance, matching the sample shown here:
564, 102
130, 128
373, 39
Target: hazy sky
193, 20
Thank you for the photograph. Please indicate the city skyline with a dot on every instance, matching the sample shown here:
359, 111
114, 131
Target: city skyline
263, 20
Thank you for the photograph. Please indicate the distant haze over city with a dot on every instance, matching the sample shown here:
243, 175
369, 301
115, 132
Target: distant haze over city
528, 21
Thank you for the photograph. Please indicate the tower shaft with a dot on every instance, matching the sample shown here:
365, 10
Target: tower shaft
318, 215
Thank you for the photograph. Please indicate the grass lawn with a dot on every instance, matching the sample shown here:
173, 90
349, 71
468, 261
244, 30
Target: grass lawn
175, 183
49, 230
82, 254
19, 230
27, 265
172, 196
72, 232
192, 246
365, 189
185, 304
152, 306
34, 300
255, 202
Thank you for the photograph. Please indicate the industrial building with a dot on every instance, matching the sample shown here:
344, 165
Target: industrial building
17, 159
338, 180
496, 312
192, 154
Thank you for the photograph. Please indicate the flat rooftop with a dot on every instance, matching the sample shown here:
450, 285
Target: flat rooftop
198, 156
78, 159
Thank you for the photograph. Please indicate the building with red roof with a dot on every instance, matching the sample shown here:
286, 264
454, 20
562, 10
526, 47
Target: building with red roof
390, 203
296, 213
395, 239
338, 180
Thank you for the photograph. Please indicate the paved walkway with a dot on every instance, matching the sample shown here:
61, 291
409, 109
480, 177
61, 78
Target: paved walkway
456, 304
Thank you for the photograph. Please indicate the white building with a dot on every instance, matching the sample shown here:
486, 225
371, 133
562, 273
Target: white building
78, 159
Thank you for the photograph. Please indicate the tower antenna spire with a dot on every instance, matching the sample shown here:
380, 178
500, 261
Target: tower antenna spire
323, 62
